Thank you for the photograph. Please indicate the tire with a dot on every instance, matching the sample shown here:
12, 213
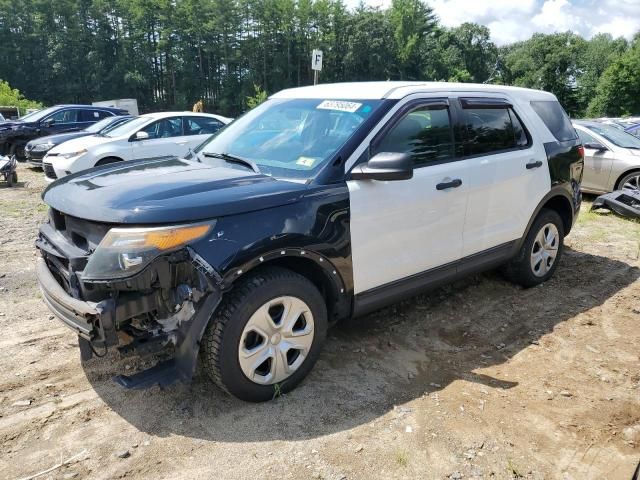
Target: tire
107, 161
523, 269
231, 336
631, 180
12, 179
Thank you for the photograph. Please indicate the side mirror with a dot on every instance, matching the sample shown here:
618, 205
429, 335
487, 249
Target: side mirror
595, 146
141, 136
48, 122
385, 166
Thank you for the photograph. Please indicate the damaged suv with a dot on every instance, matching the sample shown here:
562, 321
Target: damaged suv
320, 204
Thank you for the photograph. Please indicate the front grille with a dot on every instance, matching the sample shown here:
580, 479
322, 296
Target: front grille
49, 172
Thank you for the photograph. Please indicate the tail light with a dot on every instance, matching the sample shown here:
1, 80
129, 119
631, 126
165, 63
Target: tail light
581, 151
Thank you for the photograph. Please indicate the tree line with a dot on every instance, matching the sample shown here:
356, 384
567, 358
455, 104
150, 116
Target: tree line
168, 54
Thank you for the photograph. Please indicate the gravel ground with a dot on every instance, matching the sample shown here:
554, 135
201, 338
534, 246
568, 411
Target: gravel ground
480, 379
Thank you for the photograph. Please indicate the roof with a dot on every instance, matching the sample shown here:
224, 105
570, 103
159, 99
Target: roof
159, 115
399, 89
78, 105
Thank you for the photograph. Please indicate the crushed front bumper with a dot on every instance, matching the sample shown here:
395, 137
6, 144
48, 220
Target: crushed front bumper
92, 321
623, 202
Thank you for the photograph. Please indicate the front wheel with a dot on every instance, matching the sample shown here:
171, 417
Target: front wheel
540, 253
266, 336
12, 179
631, 181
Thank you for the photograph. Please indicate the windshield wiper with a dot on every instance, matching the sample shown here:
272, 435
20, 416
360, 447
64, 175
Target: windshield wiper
233, 159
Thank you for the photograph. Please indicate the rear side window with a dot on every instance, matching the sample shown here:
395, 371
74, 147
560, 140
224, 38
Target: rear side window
492, 130
424, 133
556, 119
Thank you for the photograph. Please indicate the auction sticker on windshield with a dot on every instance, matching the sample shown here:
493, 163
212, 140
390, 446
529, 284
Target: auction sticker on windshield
306, 161
339, 105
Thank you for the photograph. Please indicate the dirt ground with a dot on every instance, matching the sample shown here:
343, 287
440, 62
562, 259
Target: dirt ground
480, 379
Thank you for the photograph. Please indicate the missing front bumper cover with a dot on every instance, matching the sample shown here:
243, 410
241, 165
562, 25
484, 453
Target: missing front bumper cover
623, 202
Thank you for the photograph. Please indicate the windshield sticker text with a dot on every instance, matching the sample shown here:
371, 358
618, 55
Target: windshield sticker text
341, 106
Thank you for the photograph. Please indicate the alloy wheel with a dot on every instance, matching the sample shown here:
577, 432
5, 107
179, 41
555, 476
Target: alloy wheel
631, 182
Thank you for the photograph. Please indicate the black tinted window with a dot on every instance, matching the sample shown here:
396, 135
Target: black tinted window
201, 125
556, 119
493, 130
64, 116
585, 137
423, 133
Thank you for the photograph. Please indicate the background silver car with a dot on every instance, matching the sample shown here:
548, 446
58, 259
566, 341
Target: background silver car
611, 157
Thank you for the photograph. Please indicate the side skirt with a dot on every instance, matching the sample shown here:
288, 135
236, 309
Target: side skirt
376, 298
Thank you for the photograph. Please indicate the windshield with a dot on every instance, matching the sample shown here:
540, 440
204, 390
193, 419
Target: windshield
39, 115
616, 136
126, 128
101, 125
291, 138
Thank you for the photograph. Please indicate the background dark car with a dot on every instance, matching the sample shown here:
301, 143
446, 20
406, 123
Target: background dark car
36, 149
14, 135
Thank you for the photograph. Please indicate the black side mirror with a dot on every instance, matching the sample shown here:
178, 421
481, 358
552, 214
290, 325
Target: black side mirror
47, 123
595, 146
385, 166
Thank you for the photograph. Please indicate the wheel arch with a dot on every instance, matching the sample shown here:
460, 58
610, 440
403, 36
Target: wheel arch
102, 161
558, 200
311, 265
616, 185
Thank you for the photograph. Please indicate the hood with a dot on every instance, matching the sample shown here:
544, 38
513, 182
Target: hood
10, 124
165, 191
57, 139
81, 143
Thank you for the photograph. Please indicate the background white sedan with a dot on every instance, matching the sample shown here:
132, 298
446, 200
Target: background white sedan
147, 136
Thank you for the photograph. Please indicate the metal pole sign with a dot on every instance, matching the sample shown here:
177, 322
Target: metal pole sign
316, 60
316, 64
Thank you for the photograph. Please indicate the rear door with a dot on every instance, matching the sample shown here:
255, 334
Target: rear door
164, 137
506, 172
198, 129
597, 163
403, 228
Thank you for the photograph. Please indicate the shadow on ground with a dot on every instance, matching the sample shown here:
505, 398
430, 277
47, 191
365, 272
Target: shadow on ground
385, 359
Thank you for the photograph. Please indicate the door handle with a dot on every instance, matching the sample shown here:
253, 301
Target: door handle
452, 184
534, 165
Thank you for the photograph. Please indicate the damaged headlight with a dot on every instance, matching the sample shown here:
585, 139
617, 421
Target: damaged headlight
126, 251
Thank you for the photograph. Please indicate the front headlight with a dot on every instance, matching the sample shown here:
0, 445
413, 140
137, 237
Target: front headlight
42, 147
73, 154
126, 251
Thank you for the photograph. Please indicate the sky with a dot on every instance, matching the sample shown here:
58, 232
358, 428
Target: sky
513, 20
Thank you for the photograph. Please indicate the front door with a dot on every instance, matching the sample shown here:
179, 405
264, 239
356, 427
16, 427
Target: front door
597, 163
165, 139
402, 228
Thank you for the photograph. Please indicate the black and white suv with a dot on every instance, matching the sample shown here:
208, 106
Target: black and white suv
322, 203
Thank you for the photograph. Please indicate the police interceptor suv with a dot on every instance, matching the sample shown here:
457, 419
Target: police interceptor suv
322, 203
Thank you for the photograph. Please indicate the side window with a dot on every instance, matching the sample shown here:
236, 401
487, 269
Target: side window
555, 118
91, 115
201, 125
424, 133
165, 128
491, 130
64, 116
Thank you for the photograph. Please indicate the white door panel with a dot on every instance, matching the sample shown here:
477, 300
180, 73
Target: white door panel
401, 228
503, 194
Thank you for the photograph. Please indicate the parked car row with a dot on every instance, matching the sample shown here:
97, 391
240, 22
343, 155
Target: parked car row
15, 134
146, 136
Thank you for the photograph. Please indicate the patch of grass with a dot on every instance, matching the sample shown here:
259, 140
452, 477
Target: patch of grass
513, 469
42, 208
402, 458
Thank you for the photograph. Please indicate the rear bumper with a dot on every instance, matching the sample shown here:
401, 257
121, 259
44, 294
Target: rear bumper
92, 321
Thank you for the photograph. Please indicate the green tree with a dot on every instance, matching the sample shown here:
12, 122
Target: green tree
11, 97
618, 90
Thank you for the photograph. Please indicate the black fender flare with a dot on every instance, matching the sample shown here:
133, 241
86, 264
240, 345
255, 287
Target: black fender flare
340, 296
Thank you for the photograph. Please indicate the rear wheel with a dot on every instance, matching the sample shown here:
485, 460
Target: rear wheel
266, 335
540, 253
